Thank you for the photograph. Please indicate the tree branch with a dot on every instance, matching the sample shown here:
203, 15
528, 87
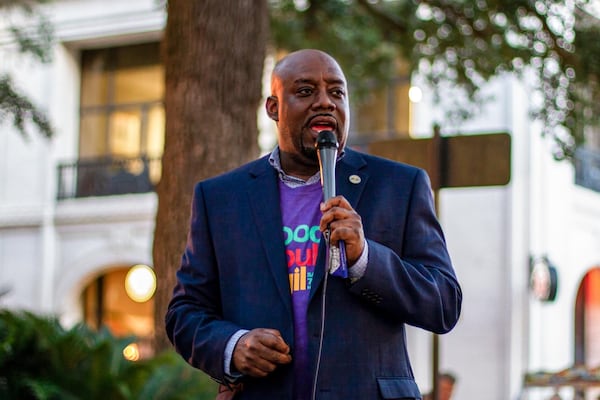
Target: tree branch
384, 18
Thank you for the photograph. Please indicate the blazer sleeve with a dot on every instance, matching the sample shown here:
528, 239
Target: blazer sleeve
413, 280
193, 321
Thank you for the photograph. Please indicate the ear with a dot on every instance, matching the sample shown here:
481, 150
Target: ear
272, 106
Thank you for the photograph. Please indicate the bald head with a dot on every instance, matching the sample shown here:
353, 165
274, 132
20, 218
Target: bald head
303, 60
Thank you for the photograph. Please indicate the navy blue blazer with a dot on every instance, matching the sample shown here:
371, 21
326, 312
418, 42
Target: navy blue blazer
233, 276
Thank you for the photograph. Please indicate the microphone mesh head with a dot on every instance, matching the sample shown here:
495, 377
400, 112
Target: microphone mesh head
326, 139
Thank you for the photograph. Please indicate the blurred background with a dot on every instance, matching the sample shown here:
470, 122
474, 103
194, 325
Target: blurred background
498, 100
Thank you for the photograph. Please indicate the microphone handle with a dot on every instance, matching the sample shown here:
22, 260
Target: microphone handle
336, 254
328, 158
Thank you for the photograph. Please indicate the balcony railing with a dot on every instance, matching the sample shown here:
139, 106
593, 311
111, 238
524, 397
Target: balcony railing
107, 176
587, 168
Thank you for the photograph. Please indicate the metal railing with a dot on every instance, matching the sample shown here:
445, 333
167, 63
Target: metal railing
107, 176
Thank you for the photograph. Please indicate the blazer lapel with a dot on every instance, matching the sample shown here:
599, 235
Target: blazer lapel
350, 179
351, 176
263, 193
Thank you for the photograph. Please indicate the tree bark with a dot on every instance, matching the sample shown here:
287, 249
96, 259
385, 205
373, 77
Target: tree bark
213, 53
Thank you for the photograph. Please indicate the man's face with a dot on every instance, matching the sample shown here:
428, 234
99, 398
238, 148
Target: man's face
309, 94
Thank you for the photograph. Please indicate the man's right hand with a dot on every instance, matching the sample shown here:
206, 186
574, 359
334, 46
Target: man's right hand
259, 352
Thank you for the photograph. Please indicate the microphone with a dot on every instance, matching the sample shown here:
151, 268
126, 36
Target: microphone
335, 259
327, 148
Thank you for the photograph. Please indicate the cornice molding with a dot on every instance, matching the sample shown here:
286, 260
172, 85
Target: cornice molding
122, 208
111, 28
21, 216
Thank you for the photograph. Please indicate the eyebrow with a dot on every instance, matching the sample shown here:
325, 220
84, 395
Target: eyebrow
329, 81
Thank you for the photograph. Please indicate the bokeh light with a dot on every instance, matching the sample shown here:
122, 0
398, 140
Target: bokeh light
140, 283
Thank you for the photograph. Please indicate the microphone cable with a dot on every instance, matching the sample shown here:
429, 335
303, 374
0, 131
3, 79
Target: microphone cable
322, 328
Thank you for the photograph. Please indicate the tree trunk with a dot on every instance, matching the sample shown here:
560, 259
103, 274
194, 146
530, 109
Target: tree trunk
213, 53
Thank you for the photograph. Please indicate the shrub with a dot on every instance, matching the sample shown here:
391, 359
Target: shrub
41, 360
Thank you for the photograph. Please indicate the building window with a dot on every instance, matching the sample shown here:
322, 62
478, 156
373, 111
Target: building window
383, 111
122, 113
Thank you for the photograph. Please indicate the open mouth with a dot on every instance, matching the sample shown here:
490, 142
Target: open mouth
322, 123
321, 127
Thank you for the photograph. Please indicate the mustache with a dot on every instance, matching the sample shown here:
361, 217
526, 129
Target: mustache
321, 115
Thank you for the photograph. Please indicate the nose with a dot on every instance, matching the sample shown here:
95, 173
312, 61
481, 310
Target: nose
323, 100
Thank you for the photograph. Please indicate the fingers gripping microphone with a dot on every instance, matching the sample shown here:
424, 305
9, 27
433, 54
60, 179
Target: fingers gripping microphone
327, 147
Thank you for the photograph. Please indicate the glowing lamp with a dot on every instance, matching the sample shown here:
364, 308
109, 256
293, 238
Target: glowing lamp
140, 283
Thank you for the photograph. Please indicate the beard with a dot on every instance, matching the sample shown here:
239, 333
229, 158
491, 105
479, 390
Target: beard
306, 146
310, 152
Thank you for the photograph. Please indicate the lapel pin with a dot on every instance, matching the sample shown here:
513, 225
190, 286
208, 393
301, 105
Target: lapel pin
354, 179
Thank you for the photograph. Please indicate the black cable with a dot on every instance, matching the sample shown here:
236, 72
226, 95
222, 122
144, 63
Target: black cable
322, 329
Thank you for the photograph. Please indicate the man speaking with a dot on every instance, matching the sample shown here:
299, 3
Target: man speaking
260, 303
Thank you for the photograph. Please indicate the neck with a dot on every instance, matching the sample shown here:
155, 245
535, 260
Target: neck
298, 167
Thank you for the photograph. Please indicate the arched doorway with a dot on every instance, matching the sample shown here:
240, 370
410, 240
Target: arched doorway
587, 324
106, 302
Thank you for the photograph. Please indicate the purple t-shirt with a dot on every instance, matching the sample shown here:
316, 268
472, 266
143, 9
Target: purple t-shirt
301, 215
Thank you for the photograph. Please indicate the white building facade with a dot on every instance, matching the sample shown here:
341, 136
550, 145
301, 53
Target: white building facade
65, 247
